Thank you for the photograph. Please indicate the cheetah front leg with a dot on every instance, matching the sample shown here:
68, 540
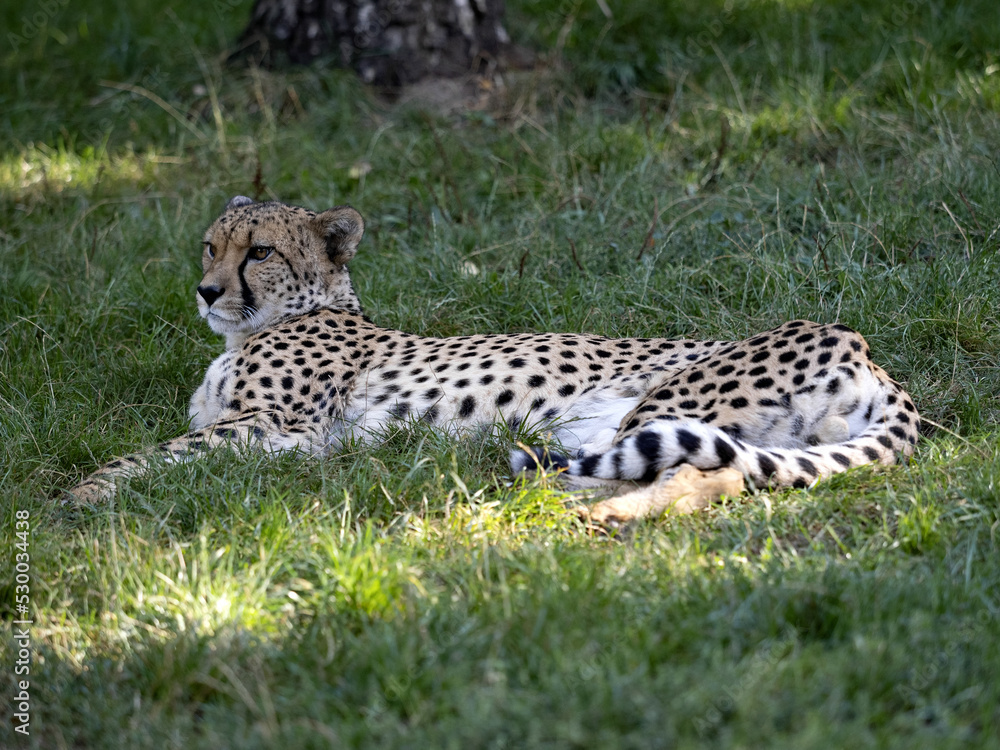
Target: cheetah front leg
246, 430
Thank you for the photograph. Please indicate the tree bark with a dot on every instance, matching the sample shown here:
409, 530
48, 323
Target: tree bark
388, 42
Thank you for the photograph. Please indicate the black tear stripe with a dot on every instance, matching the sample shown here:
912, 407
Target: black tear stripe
248, 299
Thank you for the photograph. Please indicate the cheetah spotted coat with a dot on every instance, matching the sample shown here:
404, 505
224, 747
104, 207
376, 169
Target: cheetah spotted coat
305, 370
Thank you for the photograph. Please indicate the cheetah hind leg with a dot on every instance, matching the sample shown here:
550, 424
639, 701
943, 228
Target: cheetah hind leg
833, 430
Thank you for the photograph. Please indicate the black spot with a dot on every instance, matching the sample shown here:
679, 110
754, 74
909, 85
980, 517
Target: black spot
567, 390
517, 363
688, 441
738, 403
689, 404
505, 397
647, 443
432, 394
287, 383
767, 466
486, 379
724, 451
664, 395
841, 459
787, 357
833, 386
807, 466
536, 381
469, 405
589, 465
728, 386
829, 341
763, 383
870, 453
733, 430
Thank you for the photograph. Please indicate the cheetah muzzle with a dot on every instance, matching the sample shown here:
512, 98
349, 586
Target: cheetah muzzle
305, 370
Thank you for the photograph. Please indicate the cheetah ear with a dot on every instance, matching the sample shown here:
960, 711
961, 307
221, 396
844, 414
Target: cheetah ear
238, 200
341, 228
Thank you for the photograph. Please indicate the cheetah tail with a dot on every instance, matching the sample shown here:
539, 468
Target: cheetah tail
891, 431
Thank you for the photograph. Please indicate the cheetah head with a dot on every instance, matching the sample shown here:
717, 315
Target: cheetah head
265, 262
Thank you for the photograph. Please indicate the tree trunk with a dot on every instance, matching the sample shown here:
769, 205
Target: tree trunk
388, 42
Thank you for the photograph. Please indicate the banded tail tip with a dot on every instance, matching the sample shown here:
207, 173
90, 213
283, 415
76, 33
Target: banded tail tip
533, 459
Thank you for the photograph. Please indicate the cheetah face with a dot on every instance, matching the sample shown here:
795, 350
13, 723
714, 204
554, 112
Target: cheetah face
264, 262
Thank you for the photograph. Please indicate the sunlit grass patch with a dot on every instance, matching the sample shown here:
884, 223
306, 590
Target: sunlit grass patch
40, 170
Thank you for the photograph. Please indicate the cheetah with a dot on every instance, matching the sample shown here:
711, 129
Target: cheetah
305, 370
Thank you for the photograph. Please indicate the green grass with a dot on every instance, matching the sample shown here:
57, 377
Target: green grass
405, 595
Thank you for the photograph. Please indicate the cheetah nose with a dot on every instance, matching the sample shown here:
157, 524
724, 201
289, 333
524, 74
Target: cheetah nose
210, 293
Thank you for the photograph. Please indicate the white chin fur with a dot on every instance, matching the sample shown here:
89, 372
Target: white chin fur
224, 325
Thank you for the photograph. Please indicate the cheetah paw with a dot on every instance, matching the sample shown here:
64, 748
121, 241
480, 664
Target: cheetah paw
682, 490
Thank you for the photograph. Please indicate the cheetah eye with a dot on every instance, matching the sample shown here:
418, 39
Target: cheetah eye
259, 253
208, 249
